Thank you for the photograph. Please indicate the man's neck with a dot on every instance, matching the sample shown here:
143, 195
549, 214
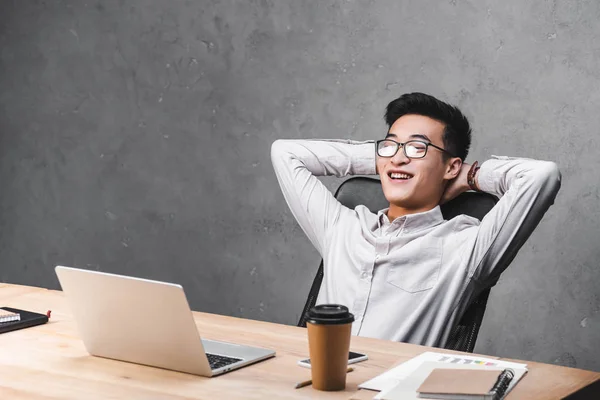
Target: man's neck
397, 211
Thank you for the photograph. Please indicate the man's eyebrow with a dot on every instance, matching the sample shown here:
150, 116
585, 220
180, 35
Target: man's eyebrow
420, 136
390, 134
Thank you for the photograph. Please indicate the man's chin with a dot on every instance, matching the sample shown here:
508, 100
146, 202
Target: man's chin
398, 197
404, 200
401, 202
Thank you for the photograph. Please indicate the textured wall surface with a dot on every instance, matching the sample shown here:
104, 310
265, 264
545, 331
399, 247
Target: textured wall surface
135, 138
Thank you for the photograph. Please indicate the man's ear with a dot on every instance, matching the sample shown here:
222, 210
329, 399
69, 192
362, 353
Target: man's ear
453, 168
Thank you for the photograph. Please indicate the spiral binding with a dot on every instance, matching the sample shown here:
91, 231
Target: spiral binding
502, 383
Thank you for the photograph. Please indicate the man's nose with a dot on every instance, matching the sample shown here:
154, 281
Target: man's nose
400, 158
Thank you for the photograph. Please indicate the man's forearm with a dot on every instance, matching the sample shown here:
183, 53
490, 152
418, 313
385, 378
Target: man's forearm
328, 157
297, 164
526, 189
538, 170
498, 175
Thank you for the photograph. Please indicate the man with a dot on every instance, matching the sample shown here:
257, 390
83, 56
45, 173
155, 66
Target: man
406, 273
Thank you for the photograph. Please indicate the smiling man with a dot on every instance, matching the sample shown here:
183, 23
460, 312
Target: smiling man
406, 273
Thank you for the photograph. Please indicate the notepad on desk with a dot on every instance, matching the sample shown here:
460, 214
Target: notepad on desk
9, 316
465, 384
12, 319
407, 388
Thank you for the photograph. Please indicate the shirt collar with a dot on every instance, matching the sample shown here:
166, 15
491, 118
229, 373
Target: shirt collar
411, 222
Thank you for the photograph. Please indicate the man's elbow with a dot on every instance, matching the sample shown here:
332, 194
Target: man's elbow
549, 177
277, 149
276, 145
552, 172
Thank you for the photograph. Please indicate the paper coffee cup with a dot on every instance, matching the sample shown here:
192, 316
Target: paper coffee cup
329, 327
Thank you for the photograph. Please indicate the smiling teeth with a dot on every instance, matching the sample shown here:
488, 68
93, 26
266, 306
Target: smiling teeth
395, 175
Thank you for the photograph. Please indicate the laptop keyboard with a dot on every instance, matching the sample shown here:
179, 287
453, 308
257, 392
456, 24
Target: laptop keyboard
217, 361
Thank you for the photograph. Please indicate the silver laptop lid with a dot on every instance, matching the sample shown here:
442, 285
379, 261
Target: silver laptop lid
135, 320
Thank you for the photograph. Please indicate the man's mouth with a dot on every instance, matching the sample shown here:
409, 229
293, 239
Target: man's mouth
399, 176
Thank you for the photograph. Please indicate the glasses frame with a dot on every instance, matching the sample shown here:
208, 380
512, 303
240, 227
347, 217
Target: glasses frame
399, 145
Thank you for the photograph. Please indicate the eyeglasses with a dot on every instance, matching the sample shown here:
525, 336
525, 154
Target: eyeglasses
412, 148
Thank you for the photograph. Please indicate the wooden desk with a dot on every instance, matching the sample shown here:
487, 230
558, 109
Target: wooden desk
50, 362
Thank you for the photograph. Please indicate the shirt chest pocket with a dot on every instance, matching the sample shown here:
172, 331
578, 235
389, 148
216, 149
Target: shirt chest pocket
417, 266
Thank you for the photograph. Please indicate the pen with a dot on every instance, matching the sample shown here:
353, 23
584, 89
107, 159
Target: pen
309, 382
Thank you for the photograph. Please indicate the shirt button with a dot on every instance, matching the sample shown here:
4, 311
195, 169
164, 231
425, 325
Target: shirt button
364, 275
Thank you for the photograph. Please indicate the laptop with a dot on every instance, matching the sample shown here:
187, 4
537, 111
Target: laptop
146, 322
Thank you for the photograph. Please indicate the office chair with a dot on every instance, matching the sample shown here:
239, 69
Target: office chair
368, 192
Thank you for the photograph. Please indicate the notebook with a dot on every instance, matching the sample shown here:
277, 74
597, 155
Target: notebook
406, 388
25, 319
8, 316
464, 384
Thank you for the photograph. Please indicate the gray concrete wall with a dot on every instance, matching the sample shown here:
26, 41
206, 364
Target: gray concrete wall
135, 138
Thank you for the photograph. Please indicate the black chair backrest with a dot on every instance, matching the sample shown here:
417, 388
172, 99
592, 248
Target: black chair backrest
368, 192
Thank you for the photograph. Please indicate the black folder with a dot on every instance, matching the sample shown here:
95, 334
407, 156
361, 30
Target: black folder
28, 319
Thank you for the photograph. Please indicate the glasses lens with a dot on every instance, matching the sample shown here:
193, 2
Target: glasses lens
387, 148
415, 149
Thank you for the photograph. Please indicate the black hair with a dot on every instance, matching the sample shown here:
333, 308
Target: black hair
457, 132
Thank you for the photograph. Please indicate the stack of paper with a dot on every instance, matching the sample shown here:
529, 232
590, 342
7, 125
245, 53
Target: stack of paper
402, 381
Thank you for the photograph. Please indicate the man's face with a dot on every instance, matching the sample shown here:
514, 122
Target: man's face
422, 181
